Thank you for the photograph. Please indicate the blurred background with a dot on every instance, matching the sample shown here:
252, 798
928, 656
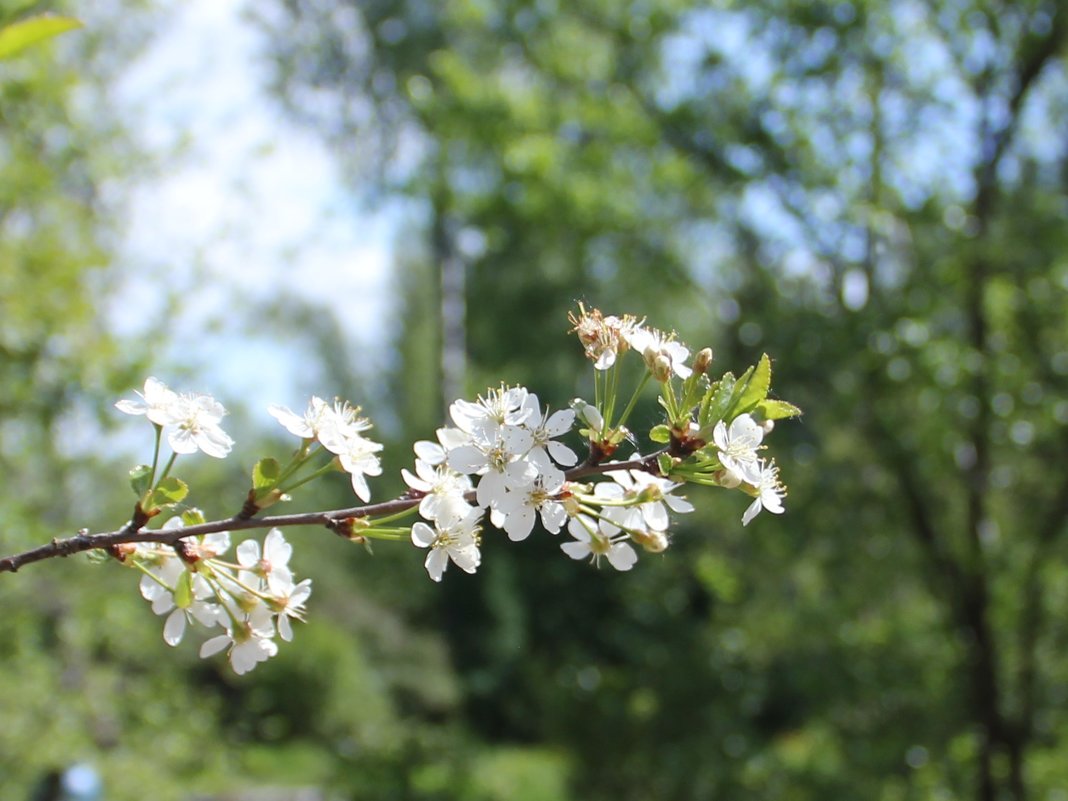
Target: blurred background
397, 202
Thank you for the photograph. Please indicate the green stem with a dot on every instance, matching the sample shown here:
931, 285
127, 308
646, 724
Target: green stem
322, 471
612, 392
634, 398
300, 458
155, 452
391, 518
167, 468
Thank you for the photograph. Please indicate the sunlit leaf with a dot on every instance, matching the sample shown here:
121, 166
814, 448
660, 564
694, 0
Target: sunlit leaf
18, 36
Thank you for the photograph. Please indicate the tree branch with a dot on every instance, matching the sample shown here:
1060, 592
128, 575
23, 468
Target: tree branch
330, 519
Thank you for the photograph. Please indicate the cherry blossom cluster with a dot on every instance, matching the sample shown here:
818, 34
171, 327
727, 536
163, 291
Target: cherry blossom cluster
251, 599
502, 463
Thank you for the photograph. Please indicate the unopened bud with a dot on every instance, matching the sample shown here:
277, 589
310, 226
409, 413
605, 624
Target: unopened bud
651, 541
727, 479
121, 550
703, 360
768, 426
661, 368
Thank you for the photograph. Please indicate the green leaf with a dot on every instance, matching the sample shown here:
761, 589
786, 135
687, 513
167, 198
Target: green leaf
777, 409
665, 463
193, 517
140, 479
660, 433
717, 401
18, 36
168, 492
265, 474
183, 591
752, 388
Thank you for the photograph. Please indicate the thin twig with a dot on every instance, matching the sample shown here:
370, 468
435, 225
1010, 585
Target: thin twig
84, 541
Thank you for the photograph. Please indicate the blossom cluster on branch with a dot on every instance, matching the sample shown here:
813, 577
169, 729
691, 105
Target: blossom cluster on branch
502, 464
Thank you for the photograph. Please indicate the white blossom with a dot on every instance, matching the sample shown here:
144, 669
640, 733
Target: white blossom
457, 541
520, 507
357, 456
591, 542
770, 493
444, 490
247, 641
651, 343
191, 423
155, 402
305, 426
273, 566
653, 492
738, 447
602, 338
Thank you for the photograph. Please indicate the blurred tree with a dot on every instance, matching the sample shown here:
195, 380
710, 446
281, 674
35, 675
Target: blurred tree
872, 192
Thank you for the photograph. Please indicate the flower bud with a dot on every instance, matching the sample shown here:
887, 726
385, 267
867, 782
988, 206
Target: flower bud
661, 368
768, 426
727, 479
651, 541
702, 361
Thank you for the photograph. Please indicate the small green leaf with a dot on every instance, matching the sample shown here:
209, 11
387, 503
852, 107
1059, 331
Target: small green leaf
777, 409
665, 463
752, 387
18, 36
660, 433
140, 479
168, 492
183, 591
265, 474
193, 517
717, 401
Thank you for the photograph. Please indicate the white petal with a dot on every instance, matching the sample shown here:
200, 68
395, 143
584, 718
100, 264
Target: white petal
467, 459
559, 422
423, 535
285, 630
677, 504
429, 452
561, 453
248, 553
520, 523
174, 628
621, 556
553, 516
131, 407
467, 558
181, 441
436, 562
655, 515
576, 550
751, 512
359, 486
276, 550
214, 645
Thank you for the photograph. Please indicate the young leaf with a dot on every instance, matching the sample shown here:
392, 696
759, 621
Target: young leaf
748, 393
183, 591
716, 402
265, 474
140, 479
777, 409
660, 433
193, 517
18, 36
169, 492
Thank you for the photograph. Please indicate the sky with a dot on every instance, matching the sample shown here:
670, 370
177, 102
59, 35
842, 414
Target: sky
245, 206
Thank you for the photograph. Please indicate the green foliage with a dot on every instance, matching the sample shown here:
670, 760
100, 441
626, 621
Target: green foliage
17, 36
788, 178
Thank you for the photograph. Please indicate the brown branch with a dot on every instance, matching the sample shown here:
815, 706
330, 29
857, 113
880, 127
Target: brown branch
331, 519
